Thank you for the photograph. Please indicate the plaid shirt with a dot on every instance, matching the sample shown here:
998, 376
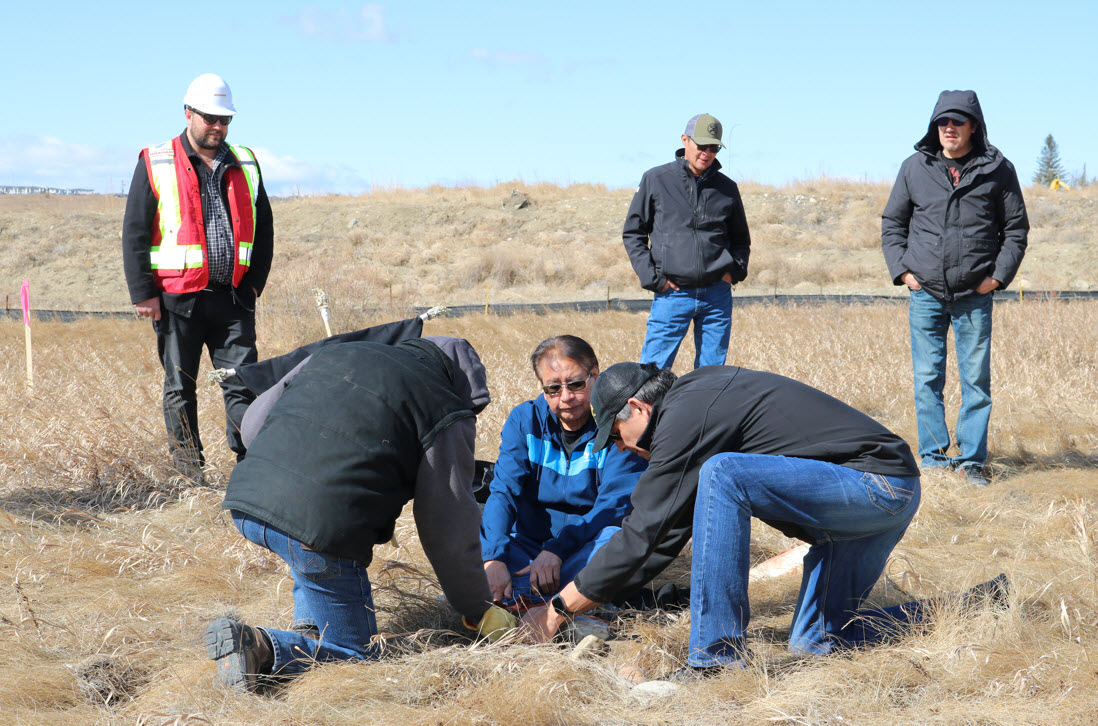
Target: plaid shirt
219, 231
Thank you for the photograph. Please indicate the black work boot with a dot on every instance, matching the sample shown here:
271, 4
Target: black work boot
243, 654
993, 594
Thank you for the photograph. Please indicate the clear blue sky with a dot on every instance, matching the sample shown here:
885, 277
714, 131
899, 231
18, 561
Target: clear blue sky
340, 97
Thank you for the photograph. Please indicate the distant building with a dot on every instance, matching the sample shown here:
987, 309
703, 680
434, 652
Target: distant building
44, 190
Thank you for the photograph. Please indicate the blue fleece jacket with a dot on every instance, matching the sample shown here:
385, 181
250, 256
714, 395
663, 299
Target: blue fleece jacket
537, 492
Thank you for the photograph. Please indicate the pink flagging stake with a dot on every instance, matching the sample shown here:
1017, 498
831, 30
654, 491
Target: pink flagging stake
25, 297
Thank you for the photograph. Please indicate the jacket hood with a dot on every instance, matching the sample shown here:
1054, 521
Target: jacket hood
965, 102
470, 381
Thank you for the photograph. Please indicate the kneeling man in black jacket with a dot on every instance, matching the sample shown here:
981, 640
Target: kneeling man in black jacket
354, 433
725, 444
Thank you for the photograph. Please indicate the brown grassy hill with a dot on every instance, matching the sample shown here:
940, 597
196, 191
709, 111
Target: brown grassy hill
467, 245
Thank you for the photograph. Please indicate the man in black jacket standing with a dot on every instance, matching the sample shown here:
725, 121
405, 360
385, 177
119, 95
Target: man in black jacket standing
954, 229
197, 244
687, 238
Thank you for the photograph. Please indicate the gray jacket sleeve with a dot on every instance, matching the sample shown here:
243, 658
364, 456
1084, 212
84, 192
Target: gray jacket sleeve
448, 518
895, 224
1014, 229
635, 236
258, 410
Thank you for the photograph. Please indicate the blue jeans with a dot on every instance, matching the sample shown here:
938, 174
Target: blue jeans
521, 552
330, 593
710, 308
854, 519
930, 319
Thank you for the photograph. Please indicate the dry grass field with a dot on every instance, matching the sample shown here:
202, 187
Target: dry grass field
111, 567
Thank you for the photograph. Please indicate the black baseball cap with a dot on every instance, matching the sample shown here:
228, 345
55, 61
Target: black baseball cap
615, 386
955, 113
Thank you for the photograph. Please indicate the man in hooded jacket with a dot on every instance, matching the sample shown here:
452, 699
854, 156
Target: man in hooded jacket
954, 230
348, 438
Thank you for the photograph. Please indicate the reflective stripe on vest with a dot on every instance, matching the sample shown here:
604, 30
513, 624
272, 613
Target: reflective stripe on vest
250, 167
169, 255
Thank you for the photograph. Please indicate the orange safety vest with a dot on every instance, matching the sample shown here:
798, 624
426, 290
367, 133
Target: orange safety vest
179, 259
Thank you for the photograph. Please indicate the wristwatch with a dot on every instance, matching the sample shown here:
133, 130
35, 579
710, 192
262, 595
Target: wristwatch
558, 605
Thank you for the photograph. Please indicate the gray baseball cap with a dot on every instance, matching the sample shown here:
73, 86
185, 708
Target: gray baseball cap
615, 386
704, 129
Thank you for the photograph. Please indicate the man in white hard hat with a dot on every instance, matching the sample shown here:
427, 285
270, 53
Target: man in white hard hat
197, 244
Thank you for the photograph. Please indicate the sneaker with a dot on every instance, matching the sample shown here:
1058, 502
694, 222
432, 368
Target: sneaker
975, 475
582, 626
691, 674
243, 654
929, 463
993, 594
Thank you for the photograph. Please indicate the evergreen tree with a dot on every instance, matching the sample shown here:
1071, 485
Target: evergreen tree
1049, 166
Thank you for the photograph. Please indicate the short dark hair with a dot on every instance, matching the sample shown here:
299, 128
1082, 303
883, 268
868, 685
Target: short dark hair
565, 346
651, 391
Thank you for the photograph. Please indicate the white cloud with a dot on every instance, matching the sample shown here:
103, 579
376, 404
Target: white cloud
50, 161
285, 176
47, 161
365, 25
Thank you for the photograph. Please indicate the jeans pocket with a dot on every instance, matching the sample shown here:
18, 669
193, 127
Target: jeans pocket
886, 492
244, 297
312, 564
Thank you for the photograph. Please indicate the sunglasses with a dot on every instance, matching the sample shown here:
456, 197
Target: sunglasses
554, 389
615, 436
946, 121
210, 119
711, 148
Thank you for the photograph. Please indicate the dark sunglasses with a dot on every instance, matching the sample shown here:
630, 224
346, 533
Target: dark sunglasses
615, 436
711, 148
210, 119
946, 121
554, 389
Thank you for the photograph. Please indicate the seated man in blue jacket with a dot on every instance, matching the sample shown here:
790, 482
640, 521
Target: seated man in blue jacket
554, 499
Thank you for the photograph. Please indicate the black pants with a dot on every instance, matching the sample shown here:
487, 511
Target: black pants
224, 323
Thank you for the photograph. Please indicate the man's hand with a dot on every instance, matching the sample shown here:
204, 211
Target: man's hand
727, 277
544, 573
989, 284
908, 279
149, 308
540, 624
670, 285
499, 580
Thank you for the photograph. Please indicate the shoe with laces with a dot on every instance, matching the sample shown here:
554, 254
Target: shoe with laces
975, 475
243, 654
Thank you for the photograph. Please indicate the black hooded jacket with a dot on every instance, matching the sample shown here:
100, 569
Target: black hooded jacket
949, 237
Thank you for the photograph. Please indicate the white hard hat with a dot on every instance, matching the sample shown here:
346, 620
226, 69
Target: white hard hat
210, 94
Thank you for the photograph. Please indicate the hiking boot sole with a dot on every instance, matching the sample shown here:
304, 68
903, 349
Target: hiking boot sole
225, 646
